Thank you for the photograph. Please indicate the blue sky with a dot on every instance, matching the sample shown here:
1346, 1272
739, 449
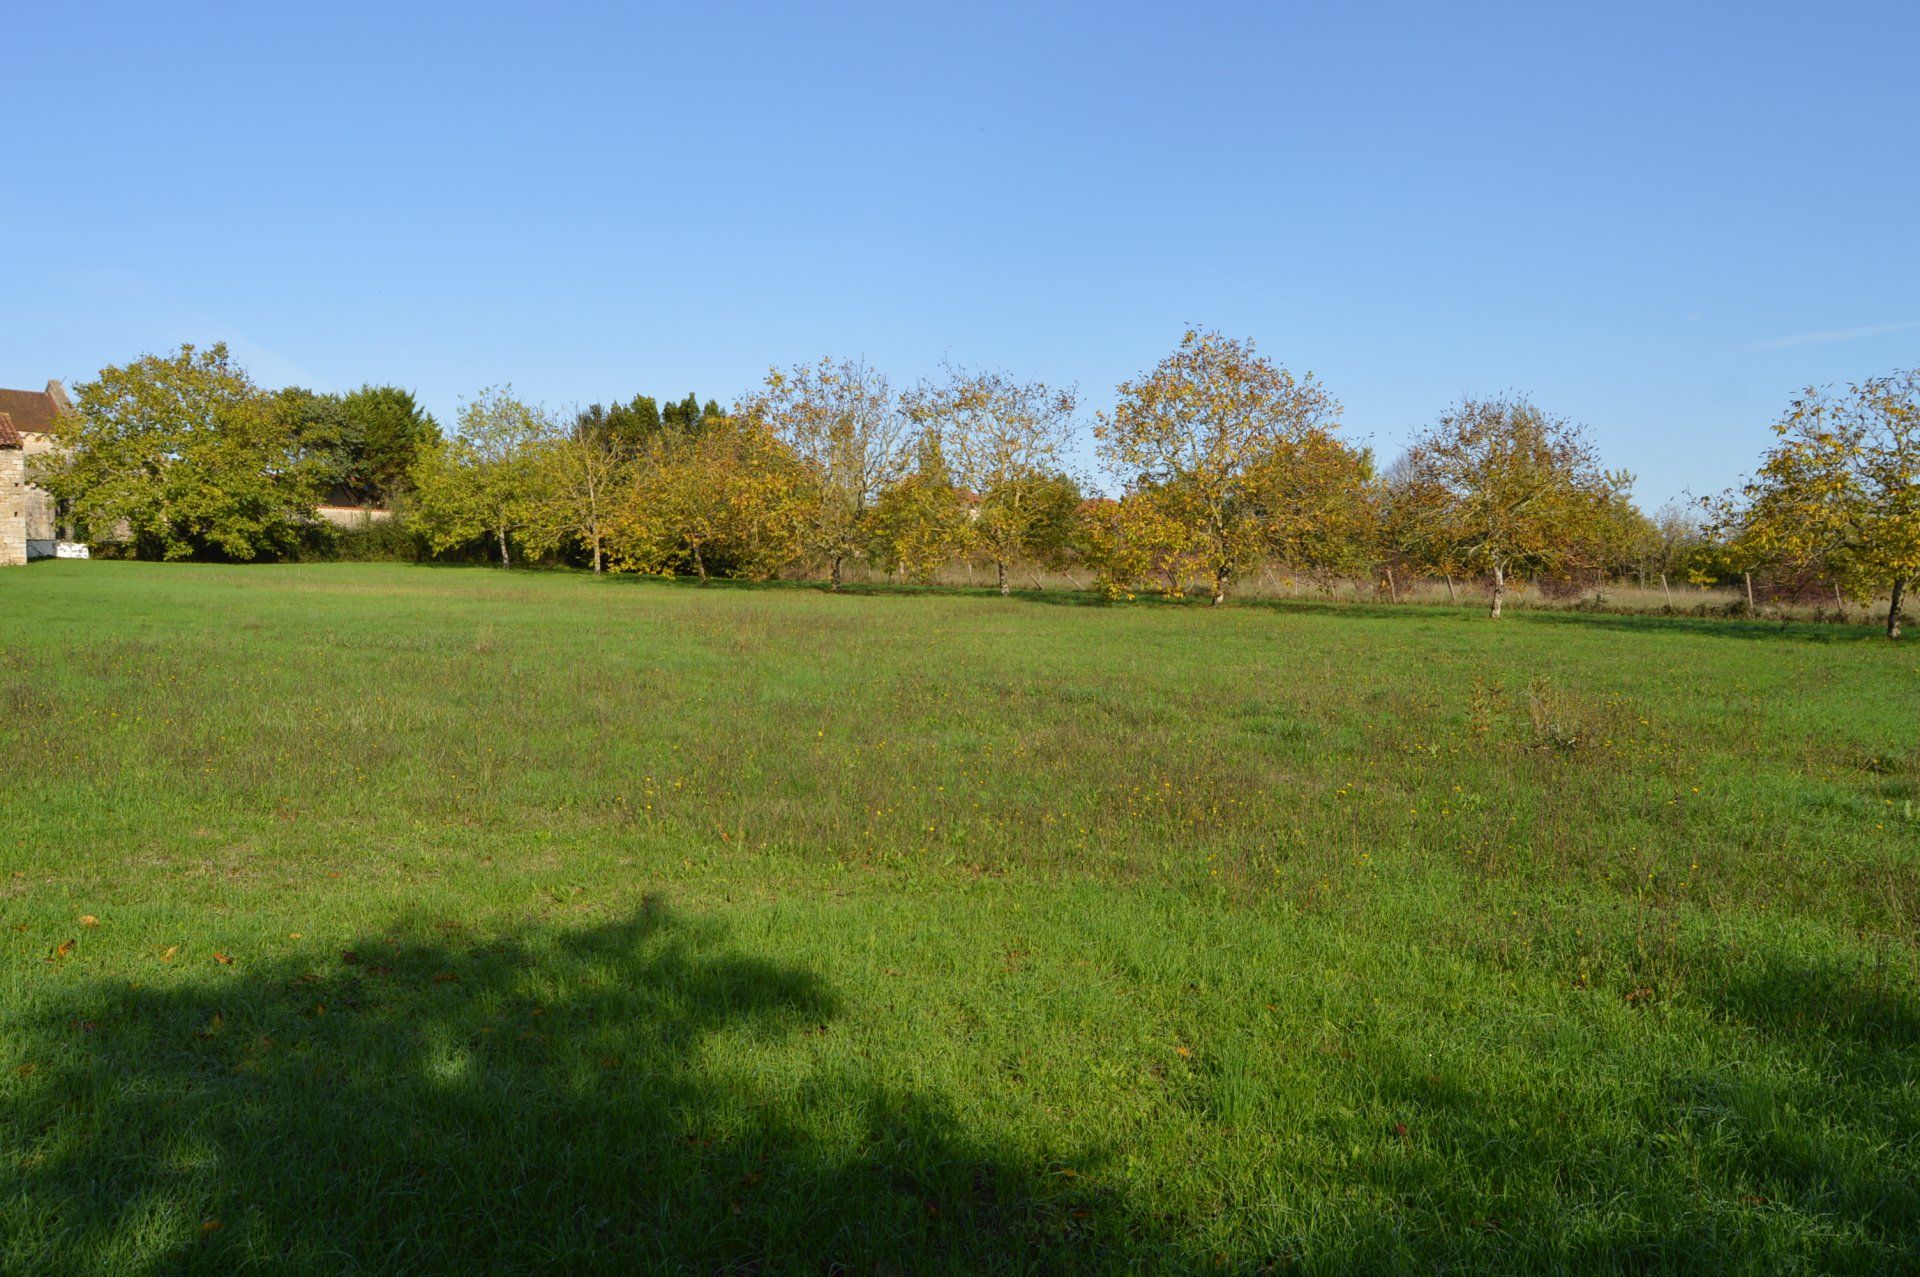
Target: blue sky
1659, 220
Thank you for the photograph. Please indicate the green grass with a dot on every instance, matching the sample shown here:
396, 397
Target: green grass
621, 925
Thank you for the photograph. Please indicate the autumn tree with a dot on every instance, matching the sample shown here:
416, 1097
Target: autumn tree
1315, 503
1622, 535
1409, 534
576, 480
1671, 540
1053, 527
729, 500
1206, 431
923, 521
488, 479
1841, 490
1134, 542
1726, 551
1007, 443
1499, 486
187, 457
842, 421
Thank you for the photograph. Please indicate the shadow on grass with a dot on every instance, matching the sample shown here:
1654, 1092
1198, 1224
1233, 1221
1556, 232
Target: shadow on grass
1756, 631
1862, 1008
599, 1099
1517, 614
1718, 627
1804, 1161
876, 589
641, 1096
1651, 623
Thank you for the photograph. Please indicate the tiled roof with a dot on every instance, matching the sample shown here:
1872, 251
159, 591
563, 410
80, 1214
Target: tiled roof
32, 411
9, 437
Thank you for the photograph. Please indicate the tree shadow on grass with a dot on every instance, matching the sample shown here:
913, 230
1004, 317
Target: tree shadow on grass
1715, 627
643, 1096
1799, 1154
1061, 596
1517, 615
1521, 617
1867, 1007
603, 1099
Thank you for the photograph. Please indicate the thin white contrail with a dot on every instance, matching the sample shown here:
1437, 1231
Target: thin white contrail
1836, 334
1241, 282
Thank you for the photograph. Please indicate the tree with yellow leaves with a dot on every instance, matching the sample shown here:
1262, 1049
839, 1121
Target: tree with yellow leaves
580, 473
1411, 535
1232, 446
1499, 486
923, 522
485, 480
1135, 541
843, 423
1318, 505
1841, 490
1006, 443
727, 500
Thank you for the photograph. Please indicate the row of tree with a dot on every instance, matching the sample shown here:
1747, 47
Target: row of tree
1837, 494
1228, 461
1225, 461
183, 455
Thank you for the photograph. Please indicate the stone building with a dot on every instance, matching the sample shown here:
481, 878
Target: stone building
29, 527
13, 494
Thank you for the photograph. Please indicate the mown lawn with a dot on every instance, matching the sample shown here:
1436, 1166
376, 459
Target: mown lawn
445, 920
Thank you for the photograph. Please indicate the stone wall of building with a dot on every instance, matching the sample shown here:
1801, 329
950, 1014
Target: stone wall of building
13, 507
42, 517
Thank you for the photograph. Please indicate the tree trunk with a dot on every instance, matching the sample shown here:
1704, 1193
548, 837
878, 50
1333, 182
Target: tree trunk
1748, 576
1001, 568
699, 564
1219, 587
505, 560
1893, 609
1450, 599
596, 554
1499, 590
833, 577
1666, 589
1393, 591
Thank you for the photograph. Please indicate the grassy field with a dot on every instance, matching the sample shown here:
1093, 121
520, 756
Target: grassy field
448, 920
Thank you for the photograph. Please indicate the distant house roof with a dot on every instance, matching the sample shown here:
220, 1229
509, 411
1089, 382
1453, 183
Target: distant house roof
9, 437
33, 411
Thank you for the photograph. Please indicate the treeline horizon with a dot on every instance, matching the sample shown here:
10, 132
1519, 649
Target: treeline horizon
1224, 462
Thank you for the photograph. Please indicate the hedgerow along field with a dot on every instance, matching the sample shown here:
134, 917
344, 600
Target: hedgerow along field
450, 920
